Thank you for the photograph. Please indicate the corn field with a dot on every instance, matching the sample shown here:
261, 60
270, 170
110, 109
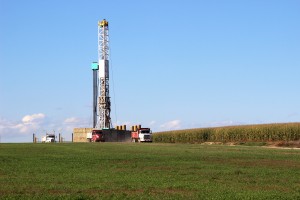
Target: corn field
245, 133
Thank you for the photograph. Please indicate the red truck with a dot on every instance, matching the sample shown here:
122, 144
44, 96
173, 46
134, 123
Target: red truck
97, 136
141, 135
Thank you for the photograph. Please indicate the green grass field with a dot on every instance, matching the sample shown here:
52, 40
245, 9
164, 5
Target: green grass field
147, 171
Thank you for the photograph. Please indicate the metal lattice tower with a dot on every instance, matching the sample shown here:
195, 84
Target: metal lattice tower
102, 103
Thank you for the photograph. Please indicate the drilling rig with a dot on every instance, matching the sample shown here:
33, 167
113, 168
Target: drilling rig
101, 98
102, 130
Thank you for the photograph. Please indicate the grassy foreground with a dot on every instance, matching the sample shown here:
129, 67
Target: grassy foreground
147, 171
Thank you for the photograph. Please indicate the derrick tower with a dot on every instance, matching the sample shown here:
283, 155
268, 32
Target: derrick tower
101, 99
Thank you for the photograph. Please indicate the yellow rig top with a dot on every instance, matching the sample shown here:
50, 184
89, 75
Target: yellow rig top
103, 23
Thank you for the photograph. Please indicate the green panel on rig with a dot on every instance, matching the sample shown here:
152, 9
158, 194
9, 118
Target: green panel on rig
95, 66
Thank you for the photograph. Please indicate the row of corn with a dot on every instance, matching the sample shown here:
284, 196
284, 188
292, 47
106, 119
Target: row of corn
245, 133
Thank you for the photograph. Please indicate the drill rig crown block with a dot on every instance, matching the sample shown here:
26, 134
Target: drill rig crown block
103, 23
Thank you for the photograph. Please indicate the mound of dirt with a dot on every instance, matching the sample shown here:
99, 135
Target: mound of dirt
291, 144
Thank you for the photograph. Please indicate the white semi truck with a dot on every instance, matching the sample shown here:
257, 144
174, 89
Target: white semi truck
48, 138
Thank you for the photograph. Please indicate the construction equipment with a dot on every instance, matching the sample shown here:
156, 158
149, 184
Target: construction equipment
97, 136
102, 127
139, 134
101, 98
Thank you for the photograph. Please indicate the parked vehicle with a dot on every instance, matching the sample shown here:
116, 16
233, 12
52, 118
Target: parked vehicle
141, 135
48, 138
97, 136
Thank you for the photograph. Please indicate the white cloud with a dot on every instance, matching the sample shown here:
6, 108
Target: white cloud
178, 124
71, 120
22, 130
171, 125
27, 125
4, 124
30, 123
33, 119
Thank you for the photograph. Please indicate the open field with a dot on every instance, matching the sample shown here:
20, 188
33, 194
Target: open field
283, 133
147, 171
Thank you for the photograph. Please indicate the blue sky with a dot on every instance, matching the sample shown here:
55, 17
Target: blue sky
175, 64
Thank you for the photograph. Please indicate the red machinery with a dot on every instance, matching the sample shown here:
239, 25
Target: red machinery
97, 136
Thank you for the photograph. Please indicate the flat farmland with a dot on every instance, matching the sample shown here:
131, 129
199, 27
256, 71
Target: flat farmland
147, 171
